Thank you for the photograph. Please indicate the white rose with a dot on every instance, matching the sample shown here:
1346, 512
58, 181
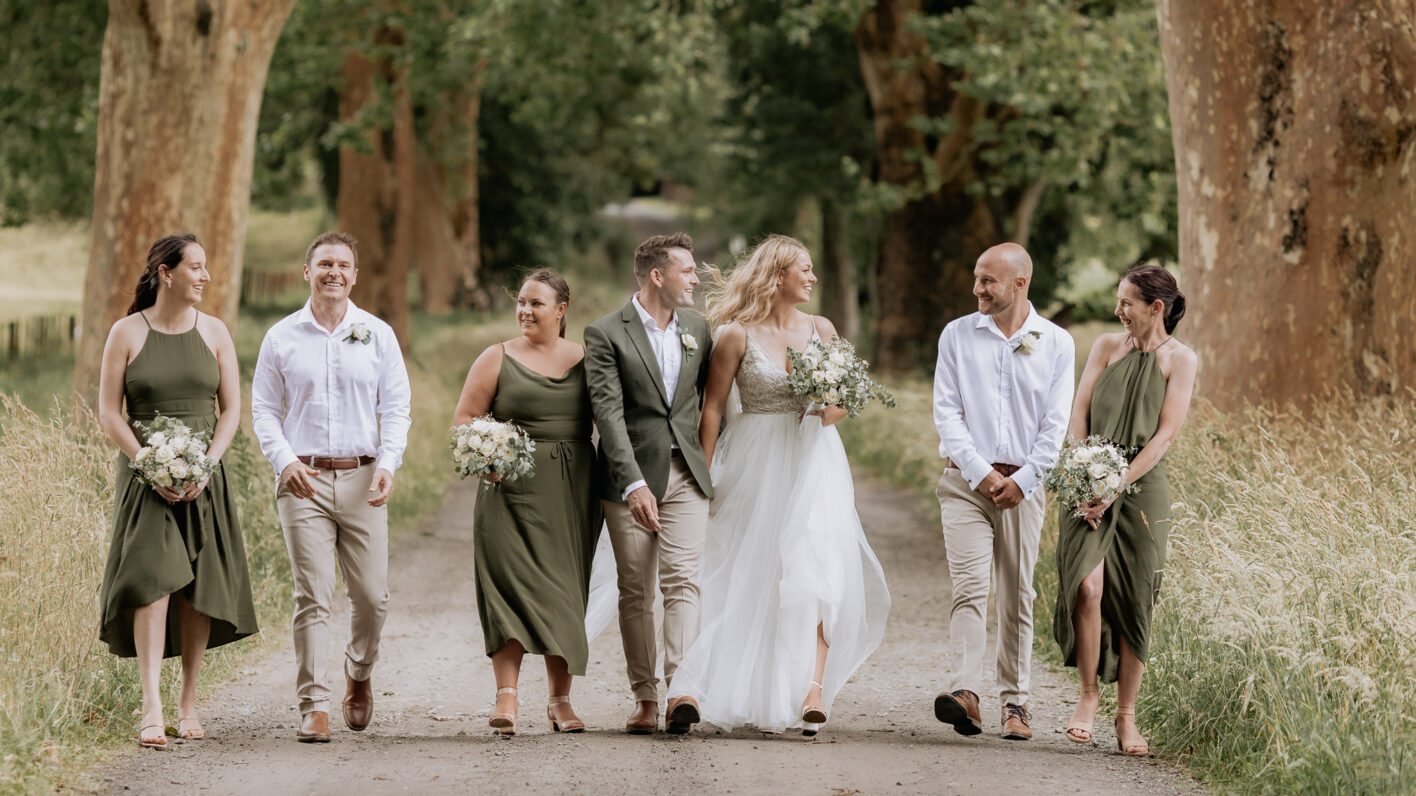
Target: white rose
818, 376
158, 438
1098, 471
179, 470
1113, 482
143, 455
1098, 487
195, 449
833, 375
837, 358
1082, 455
165, 453
833, 396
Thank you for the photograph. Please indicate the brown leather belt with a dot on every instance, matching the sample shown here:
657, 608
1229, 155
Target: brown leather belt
330, 463
1005, 470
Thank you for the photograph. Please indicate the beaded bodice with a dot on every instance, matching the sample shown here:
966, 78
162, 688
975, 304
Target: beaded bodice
762, 384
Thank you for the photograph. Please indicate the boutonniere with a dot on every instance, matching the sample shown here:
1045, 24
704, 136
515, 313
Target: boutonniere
690, 344
359, 334
1027, 343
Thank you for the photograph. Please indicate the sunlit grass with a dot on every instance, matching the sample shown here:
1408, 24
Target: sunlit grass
1284, 657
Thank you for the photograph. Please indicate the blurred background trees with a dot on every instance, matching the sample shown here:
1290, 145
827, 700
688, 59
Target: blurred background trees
464, 140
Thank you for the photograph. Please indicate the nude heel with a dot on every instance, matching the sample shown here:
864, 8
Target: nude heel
504, 723
1134, 750
574, 725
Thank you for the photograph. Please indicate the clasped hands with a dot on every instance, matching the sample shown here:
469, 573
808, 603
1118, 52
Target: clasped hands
186, 494
1001, 489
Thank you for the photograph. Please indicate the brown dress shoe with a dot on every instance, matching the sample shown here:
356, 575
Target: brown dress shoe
358, 703
1015, 723
645, 718
314, 727
959, 709
683, 714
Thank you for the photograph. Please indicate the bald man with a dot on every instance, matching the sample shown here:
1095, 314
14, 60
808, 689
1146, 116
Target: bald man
1002, 396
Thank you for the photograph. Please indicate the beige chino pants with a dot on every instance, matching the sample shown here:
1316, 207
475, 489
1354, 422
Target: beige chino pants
669, 560
983, 542
337, 523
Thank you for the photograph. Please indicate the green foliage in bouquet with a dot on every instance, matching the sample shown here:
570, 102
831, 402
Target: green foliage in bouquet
831, 374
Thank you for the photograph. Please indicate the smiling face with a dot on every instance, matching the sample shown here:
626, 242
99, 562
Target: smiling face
677, 279
537, 311
1136, 315
997, 283
190, 277
797, 280
331, 272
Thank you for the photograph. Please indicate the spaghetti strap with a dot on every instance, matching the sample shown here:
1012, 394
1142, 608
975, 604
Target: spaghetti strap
196, 320
145, 318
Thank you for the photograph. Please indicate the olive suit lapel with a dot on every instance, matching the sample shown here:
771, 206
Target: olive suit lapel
635, 328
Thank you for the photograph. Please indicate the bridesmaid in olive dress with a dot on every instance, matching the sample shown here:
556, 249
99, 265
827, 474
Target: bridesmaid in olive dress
176, 581
1135, 392
535, 536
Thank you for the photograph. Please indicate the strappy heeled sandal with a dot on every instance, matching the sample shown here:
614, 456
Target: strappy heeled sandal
504, 723
160, 743
190, 735
574, 725
1082, 733
812, 716
1141, 749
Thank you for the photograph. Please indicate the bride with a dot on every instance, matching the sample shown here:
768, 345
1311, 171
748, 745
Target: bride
793, 597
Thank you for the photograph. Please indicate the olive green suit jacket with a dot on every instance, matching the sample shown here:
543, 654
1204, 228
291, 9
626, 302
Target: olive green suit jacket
637, 424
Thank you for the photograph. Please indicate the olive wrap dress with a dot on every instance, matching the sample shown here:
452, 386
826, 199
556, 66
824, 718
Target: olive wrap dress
160, 548
1131, 536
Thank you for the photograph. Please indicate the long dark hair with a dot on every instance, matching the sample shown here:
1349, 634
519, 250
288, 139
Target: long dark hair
166, 251
1156, 284
557, 284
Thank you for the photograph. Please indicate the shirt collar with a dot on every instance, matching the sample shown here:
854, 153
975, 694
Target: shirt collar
352, 315
1032, 323
647, 319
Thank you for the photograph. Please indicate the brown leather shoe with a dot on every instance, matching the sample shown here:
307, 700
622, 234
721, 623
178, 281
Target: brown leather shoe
1015, 723
314, 727
683, 714
645, 718
959, 709
358, 703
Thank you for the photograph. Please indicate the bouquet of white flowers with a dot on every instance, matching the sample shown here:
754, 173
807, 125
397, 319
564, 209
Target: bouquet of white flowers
831, 374
175, 456
1092, 469
487, 447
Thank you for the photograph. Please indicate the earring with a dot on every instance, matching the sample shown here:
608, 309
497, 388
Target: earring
168, 282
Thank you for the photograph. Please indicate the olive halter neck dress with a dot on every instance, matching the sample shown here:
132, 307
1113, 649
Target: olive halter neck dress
1132, 534
160, 548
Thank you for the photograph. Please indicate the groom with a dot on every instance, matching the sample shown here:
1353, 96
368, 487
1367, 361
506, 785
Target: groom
1002, 398
647, 364
330, 406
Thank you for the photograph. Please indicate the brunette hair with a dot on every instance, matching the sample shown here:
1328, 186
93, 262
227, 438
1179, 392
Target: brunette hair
340, 238
654, 252
1156, 284
556, 283
167, 251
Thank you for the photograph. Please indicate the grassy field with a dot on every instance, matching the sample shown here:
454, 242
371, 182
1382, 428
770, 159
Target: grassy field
1286, 630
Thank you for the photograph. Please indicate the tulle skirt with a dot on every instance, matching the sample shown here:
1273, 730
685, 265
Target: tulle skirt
785, 553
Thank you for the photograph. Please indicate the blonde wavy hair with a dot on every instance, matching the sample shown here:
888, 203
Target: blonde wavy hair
745, 294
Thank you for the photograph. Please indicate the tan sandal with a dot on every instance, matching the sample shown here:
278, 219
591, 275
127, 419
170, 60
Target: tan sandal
159, 744
1082, 733
190, 735
574, 725
504, 723
1141, 749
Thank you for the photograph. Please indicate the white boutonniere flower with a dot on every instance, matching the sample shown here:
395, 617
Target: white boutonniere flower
690, 344
359, 334
1027, 343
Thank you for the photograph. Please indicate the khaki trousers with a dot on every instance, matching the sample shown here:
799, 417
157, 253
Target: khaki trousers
337, 522
670, 561
980, 540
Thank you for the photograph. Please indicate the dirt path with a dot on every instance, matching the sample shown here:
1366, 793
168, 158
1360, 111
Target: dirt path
434, 690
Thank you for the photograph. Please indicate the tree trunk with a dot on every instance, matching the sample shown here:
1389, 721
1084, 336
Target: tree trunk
448, 255
179, 99
1294, 124
932, 239
840, 300
378, 196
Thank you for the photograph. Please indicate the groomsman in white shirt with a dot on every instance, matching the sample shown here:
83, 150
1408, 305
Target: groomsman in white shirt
1002, 397
330, 405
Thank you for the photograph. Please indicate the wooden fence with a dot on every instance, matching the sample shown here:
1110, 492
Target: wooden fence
38, 335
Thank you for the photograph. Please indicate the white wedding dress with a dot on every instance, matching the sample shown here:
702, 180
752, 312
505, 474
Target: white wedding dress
785, 552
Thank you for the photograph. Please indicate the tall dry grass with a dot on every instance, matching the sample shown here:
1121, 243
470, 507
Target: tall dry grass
1284, 657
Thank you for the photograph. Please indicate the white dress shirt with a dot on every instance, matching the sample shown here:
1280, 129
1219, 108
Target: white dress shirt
668, 352
996, 405
316, 393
